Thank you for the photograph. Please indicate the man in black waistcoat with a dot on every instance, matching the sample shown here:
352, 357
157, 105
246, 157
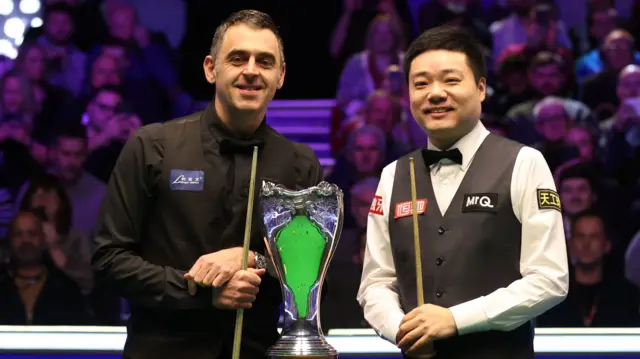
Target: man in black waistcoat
176, 204
490, 227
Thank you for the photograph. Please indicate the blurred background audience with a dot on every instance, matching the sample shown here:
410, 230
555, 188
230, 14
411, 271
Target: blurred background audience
78, 77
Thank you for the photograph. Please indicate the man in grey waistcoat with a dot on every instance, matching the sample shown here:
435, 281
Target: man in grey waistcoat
493, 250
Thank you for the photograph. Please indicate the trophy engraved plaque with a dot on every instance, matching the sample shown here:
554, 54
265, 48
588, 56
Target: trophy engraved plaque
301, 229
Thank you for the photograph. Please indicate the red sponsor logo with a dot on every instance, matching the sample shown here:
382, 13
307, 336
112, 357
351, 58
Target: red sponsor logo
376, 205
404, 209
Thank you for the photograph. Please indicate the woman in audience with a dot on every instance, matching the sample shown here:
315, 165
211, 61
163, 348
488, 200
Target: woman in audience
366, 71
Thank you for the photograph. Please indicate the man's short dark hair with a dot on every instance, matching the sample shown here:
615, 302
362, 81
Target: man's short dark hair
61, 8
74, 129
544, 58
449, 38
579, 170
106, 88
254, 19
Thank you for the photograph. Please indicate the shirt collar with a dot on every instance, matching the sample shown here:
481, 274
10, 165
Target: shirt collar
220, 130
467, 145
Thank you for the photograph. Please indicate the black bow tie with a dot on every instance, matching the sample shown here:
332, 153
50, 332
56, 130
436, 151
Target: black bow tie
432, 156
233, 145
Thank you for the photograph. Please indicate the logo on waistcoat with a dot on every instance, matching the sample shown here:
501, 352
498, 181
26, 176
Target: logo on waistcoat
480, 202
376, 205
182, 180
405, 209
548, 199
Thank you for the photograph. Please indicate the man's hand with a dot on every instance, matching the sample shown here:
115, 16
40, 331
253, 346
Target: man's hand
420, 327
240, 292
216, 269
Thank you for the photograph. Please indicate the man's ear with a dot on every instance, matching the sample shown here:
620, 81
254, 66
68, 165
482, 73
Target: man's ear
281, 80
209, 67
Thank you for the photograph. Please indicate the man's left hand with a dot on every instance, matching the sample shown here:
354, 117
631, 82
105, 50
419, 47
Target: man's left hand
423, 325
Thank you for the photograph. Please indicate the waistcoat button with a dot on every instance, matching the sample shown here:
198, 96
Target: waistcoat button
439, 293
441, 230
439, 261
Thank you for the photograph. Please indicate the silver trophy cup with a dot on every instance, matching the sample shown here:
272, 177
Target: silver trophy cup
301, 229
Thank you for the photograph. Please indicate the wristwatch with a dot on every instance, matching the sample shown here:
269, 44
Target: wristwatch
261, 261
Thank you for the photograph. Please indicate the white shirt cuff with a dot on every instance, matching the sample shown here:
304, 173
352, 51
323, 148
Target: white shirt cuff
470, 316
393, 326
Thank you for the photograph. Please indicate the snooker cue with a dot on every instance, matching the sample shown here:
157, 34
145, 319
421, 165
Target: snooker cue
416, 236
237, 338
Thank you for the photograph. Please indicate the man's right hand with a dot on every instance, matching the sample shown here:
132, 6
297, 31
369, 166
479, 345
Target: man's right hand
216, 269
240, 292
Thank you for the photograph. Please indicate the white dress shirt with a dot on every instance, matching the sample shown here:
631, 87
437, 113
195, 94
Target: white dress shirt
543, 259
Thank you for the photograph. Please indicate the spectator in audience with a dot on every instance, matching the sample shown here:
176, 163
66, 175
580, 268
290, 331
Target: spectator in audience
69, 152
599, 90
602, 24
366, 71
350, 32
512, 86
149, 77
364, 156
69, 249
455, 12
65, 62
596, 299
547, 79
542, 35
17, 103
520, 27
109, 124
552, 122
105, 71
32, 290
361, 196
578, 189
49, 99
622, 130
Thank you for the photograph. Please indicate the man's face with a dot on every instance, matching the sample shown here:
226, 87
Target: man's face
105, 71
59, 27
618, 51
443, 93
546, 79
69, 156
27, 240
122, 22
249, 69
552, 122
360, 204
629, 85
380, 113
103, 106
581, 139
366, 153
576, 195
588, 243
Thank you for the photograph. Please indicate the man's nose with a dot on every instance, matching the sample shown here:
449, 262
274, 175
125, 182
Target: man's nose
251, 69
437, 94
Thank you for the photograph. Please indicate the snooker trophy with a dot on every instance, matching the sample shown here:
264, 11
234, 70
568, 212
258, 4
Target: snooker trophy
301, 229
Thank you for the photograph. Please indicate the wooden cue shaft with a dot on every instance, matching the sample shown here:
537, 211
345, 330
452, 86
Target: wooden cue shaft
237, 338
416, 235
